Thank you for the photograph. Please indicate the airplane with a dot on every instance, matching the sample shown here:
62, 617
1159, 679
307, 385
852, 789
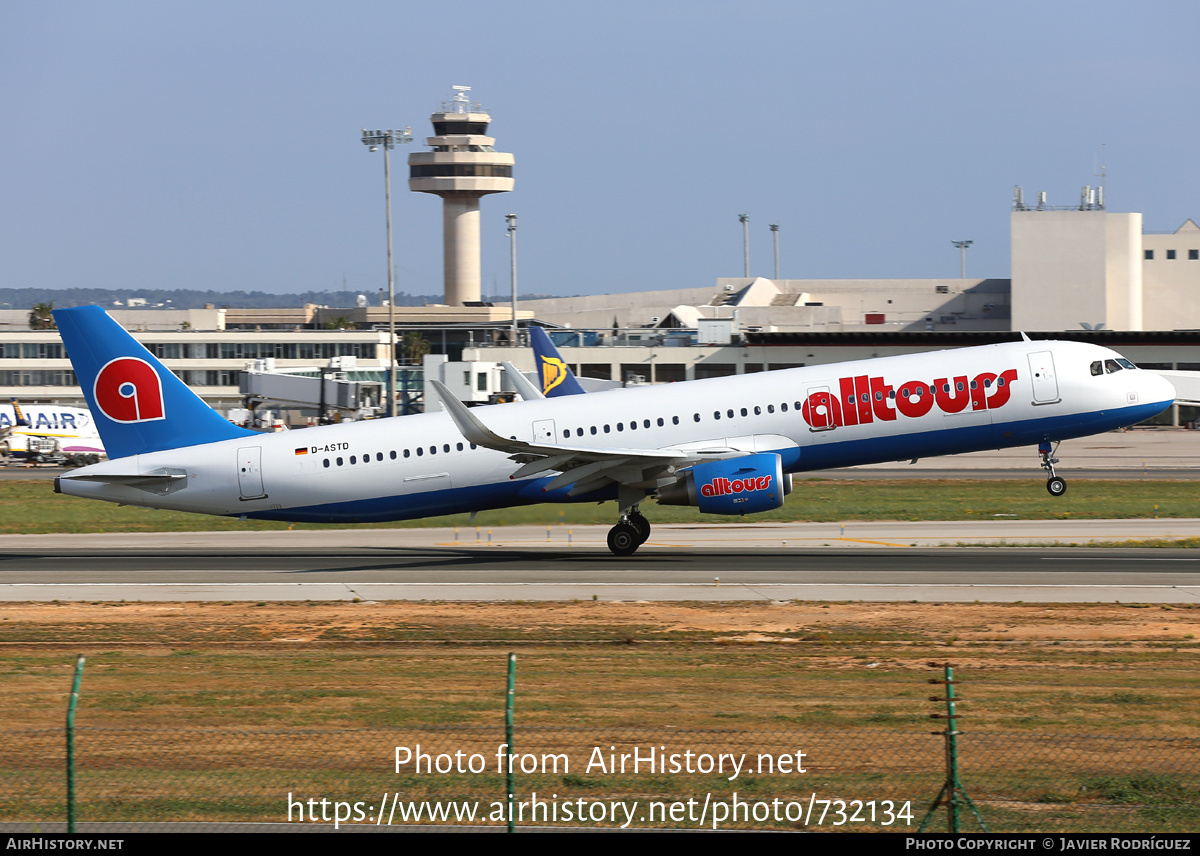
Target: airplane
725, 445
30, 432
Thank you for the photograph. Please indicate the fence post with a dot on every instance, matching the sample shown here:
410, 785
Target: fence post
71, 743
952, 788
508, 733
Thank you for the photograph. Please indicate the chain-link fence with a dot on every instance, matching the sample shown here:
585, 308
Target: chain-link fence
453, 777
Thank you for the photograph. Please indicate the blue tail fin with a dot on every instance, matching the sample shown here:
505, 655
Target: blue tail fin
138, 405
557, 377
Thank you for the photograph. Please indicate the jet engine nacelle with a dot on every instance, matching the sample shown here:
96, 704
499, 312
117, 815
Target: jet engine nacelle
738, 486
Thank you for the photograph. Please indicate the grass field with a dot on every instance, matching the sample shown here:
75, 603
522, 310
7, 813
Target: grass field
1075, 718
32, 507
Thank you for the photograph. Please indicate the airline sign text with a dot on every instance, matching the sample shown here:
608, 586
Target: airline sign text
864, 399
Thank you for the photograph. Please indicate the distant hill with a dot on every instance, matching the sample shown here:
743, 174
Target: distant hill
179, 298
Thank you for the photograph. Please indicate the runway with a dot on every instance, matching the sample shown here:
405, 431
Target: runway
886, 561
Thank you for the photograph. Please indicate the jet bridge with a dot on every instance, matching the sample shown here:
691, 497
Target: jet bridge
330, 389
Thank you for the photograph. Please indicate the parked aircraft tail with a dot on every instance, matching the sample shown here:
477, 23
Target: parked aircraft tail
556, 376
137, 403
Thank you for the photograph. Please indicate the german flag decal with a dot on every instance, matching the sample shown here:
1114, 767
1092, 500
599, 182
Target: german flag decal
302, 451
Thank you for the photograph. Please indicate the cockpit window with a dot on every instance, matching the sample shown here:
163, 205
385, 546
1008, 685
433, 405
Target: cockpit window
1126, 363
1111, 366
1097, 368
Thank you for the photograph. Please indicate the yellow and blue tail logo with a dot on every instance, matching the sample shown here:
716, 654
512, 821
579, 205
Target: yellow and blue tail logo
557, 377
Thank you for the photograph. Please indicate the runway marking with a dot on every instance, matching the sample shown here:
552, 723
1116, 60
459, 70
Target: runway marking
1093, 558
864, 541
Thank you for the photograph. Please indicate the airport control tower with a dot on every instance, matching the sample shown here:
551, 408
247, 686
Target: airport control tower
462, 167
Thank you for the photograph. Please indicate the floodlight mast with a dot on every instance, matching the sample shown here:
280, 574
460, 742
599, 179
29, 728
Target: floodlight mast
511, 219
962, 249
387, 140
745, 221
775, 237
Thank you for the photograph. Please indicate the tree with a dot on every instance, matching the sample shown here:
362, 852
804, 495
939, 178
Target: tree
413, 347
341, 322
41, 317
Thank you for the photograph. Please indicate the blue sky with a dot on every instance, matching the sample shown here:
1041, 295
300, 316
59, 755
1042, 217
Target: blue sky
216, 144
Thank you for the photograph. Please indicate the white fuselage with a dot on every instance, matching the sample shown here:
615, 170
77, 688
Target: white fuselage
814, 417
72, 427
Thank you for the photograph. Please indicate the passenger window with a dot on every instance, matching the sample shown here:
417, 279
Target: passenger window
459, 447
607, 430
674, 420
446, 448
327, 463
353, 459
729, 413
716, 414
696, 417
783, 407
757, 410
339, 462
420, 451
620, 426
770, 408
433, 450
392, 454
745, 412
406, 453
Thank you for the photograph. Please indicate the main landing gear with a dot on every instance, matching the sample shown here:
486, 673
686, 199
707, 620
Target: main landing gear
629, 534
1056, 485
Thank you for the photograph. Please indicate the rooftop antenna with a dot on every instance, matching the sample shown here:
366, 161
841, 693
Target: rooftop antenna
462, 103
1102, 175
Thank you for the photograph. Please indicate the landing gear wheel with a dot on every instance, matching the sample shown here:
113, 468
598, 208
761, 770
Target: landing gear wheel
1056, 486
624, 539
642, 525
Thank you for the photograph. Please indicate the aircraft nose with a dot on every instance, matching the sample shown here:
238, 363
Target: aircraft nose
1156, 388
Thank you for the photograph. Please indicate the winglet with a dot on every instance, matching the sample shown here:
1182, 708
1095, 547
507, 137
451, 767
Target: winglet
528, 391
468, 424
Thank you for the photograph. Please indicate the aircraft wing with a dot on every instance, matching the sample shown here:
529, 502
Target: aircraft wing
586, 468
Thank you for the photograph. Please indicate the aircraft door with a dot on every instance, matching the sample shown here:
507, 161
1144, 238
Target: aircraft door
1045, 382
249, 464
818, 409
543, 431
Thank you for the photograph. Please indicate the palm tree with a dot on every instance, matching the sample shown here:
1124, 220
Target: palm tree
41, 317
414, 347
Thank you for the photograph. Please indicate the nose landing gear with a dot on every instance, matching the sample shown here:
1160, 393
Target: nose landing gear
1055, 485
629, 534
